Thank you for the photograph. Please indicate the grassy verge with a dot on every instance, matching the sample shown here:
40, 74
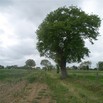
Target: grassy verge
79, 87
58, 91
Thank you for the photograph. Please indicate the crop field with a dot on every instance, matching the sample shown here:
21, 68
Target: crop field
38, 86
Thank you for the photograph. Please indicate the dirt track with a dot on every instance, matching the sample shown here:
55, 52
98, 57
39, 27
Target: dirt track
23, 92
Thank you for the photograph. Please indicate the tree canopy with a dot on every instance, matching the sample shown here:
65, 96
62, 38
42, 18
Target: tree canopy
45, 63
61, 35
85, 65
100, 65
30, 63
1, 67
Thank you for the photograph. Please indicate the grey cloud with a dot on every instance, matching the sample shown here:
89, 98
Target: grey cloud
36, 10
5, 5
1, 32
8, 54
17, 52
25, 47
5, 2
24, 29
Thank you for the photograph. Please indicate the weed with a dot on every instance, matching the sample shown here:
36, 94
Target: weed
80, 86
31, 79
38, 97
35, 101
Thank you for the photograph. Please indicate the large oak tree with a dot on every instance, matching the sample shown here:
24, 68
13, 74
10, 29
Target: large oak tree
61, 35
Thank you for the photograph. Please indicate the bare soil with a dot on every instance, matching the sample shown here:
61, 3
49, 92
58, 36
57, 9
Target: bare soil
23, 92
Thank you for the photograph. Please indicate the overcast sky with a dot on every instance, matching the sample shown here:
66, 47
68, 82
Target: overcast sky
19, 19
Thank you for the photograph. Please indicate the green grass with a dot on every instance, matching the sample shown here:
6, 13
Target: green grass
12, 75
79, 87
59, 92
16, 75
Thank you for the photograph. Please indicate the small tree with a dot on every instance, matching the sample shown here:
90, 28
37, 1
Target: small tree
61, 35
38, 68
30, 63
74, 67
1, 67
46, 63
85, 65
100, 65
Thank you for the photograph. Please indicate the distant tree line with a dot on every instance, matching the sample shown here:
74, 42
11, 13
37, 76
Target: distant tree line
47, 66
86, 65
31, 64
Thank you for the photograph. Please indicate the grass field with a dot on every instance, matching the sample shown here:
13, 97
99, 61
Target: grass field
38, 86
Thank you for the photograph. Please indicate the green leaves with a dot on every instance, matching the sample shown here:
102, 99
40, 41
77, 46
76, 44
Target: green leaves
63, 31
100, 65
45, 62
30, 63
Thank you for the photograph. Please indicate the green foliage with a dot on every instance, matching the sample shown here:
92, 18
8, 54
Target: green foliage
38, 68
74, 67
1, 67
30, 63
12, 75
45, 63
61, 35
12, 67
100, 65
85, 65
31, 78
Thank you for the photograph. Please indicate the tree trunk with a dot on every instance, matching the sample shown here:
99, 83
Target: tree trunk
57, 67
63, 69
63, 73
